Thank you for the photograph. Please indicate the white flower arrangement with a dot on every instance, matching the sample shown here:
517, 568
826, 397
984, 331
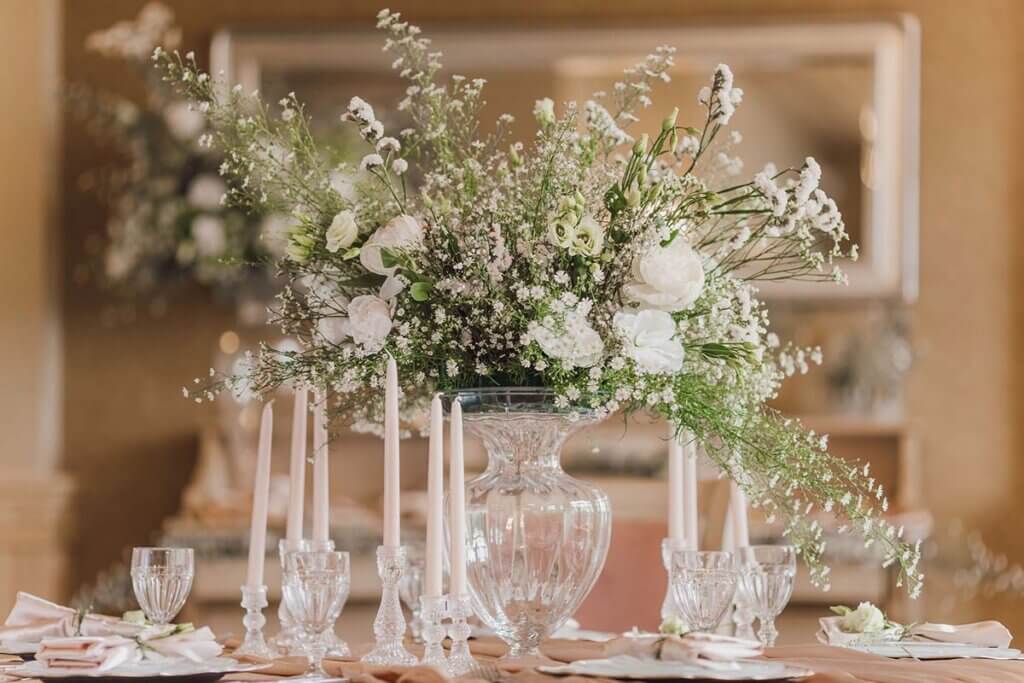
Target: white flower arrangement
168, 223
619, 272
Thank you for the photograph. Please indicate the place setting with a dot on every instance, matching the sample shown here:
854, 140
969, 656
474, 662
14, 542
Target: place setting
57, 642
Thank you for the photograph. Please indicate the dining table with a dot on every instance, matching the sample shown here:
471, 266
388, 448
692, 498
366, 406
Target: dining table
829, 664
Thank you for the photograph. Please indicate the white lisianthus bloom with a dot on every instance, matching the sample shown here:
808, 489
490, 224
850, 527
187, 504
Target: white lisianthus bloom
401, 232
208, 234
561, 233
649, 338
865, 619
544, 111
588, 239
666, 278
205, 191
342, 231
369, 322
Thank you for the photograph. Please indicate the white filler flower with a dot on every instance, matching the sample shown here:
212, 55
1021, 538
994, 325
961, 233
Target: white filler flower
667, 278
401, 232
649, 338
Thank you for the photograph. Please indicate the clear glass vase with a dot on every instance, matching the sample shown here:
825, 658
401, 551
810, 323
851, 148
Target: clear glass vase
537, 538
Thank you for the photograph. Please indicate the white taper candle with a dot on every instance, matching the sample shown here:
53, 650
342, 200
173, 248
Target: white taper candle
691, 520
676, 528
457, 504
260, 497
321, 472
297, 470
740, 513
433, 587
392, 530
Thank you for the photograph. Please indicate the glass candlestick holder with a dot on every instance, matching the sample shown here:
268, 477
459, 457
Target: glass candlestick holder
433, 611
254, 600
389, 626
460, 661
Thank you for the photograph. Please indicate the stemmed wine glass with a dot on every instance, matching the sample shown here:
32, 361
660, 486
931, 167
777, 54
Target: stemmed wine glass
766, 580
704, 583
162, 580
316, 586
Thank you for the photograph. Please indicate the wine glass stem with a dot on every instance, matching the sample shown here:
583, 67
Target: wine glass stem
768, 633
316, 651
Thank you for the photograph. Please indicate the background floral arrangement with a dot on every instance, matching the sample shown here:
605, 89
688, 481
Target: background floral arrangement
168, 225
619, 272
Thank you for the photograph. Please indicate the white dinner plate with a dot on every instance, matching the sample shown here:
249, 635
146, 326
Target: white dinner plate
166, 670
930, 650
635, 668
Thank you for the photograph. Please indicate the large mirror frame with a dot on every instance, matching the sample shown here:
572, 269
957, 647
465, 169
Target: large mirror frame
888, 234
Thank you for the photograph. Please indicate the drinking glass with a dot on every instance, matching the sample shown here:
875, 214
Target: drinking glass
704, 583
410, 588
316, 586
162, 580
766, 579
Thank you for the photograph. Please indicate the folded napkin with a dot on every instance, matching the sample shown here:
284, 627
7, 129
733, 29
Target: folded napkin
981, 634
34, 618
693, 647
165, 641
93, 653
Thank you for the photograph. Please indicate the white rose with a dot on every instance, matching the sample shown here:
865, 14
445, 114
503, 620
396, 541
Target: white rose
649, 338
205, 191
369, 322
667, 278
208, 234
865, 619
401, 232
342, 231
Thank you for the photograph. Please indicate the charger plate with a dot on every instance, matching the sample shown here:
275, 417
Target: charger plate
635, 668
168, 671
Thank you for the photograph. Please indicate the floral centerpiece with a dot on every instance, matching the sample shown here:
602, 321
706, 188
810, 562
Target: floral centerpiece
618, 272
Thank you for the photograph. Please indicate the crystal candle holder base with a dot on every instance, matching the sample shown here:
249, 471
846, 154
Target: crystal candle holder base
254, 600
460, 661
389, 626
433, 612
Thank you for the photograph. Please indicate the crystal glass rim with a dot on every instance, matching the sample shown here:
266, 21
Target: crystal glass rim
703, 555
168, 555
778, 555
509, 400
342, 555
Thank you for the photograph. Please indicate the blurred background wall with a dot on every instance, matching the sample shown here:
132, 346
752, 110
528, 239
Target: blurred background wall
129, 440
